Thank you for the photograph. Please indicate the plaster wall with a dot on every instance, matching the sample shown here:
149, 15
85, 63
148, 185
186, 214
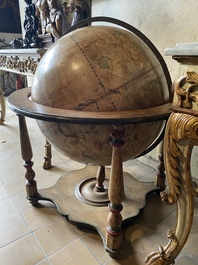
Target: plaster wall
165, 22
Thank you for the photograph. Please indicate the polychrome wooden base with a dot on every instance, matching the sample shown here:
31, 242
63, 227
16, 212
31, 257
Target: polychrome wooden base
63, 195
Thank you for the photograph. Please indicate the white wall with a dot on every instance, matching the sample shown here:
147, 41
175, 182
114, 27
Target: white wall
164, 22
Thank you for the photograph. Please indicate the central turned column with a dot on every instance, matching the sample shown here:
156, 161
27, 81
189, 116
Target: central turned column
116, 191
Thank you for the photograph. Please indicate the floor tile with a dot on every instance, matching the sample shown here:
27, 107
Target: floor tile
12, 229
23, 251
187, 260
95, 245
133, 258
135, 230
21, 201
55, 236
12, 174
44, 262
148, 243
16, 186
38, 217
7, 209
3, 192
74, 254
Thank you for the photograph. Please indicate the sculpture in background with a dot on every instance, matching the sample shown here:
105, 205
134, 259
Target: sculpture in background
51, 17
81, 10
30, 24
42, 13
57, 19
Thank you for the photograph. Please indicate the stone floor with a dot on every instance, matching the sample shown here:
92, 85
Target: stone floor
39, 235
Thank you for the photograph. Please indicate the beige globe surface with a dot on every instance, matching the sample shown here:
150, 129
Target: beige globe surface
97, 69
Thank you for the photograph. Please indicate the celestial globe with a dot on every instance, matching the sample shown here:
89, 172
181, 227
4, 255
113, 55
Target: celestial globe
100, 69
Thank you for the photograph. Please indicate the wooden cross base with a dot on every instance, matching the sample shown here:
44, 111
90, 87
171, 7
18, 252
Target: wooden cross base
63, 195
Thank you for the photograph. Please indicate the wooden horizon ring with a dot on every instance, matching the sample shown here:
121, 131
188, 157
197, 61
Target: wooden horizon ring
21, 103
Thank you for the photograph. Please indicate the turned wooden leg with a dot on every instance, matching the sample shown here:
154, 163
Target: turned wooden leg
161, 176
100, 177
116, 192
26, 153
48, 155
180, 137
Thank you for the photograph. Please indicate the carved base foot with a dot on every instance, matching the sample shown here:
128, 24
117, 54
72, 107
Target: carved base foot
47, 163
32, 200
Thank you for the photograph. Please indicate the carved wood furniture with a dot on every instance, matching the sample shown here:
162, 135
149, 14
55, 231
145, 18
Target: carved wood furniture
73, 195
19, 61
181, 137
126, 196
23, 62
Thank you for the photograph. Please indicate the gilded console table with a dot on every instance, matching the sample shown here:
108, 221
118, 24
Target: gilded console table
19, 61
23, 62
181, 137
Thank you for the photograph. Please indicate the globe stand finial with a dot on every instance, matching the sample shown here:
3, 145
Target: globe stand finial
94, 190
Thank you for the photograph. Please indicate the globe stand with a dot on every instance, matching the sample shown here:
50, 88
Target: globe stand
126, 195
94, 191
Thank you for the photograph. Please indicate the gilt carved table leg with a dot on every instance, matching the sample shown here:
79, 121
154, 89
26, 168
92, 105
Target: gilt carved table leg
26, 153
161, 176
180, 138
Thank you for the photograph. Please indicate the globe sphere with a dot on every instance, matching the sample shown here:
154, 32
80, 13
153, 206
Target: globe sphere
99, 68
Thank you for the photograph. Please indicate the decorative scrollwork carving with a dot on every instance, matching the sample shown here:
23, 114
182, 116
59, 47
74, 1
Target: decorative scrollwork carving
22, 65
186, 89
181, 128
2, 60
163, 256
